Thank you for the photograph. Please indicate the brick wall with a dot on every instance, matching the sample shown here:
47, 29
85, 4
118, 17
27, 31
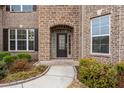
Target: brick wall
92, 11
15, 20
54, 15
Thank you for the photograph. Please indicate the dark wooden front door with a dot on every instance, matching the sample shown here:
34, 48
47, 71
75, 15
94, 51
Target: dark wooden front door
61, 44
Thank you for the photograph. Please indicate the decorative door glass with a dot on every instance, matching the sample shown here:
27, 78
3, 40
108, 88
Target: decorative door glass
61, 42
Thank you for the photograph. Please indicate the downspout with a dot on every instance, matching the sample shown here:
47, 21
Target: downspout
80, 37
120, 21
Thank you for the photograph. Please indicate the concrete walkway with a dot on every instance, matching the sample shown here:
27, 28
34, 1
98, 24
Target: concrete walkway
56, 77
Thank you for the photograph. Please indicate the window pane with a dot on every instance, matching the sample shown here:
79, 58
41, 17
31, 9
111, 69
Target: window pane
104, 20
100, 25
100, 44
95, 22
105, 30
27, 8
95, 26
31, 34
21, 45
16, 8
31, 45
95, 30
12, 34
104, 40
104, 48
105, 24
21, 34
96, 40
96, 48
12, 45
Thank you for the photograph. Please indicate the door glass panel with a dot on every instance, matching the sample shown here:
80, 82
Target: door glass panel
69, 44
61, 42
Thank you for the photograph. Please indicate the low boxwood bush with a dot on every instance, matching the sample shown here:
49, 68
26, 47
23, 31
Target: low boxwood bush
3, 54
9, 59
3, 70
97, 75
120, 67
24, 56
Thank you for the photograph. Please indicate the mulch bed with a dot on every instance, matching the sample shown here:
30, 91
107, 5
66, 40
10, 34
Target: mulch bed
31, 67
120, 83
77, 83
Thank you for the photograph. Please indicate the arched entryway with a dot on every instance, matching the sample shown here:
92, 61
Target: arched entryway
61, 41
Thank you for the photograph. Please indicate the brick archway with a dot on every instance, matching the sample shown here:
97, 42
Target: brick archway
61, 26
55, 33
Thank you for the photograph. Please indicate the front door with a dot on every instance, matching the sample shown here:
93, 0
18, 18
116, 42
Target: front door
61, 44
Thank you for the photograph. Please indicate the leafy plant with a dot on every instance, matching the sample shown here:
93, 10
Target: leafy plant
3, 70
3, 54
120, 67
98, 75
87, 60
9, 59
24, 56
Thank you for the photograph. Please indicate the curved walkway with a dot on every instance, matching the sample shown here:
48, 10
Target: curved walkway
56, 77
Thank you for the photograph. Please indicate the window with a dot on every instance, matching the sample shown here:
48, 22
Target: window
27, 8
15, 8
100, 34
21, 39
21, 8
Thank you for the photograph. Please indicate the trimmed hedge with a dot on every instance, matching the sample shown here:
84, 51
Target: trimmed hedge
3, 70
97, 75
120, 67
9, 59
3, 54
24, 56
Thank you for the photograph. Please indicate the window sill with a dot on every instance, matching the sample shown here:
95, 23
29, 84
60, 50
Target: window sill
22, 12
100, 54
19, 51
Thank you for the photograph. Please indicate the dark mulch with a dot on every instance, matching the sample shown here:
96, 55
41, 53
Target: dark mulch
120, 83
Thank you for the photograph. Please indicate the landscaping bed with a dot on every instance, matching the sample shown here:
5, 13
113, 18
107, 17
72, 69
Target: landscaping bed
18, 67
98, 75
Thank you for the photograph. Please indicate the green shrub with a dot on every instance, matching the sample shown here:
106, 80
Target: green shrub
87, 61
9, 59
3, 70
3, 54
97, 75
120, 67
24, 56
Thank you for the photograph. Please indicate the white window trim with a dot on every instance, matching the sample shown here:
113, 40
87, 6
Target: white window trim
16, 42
91, 36
20, 10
